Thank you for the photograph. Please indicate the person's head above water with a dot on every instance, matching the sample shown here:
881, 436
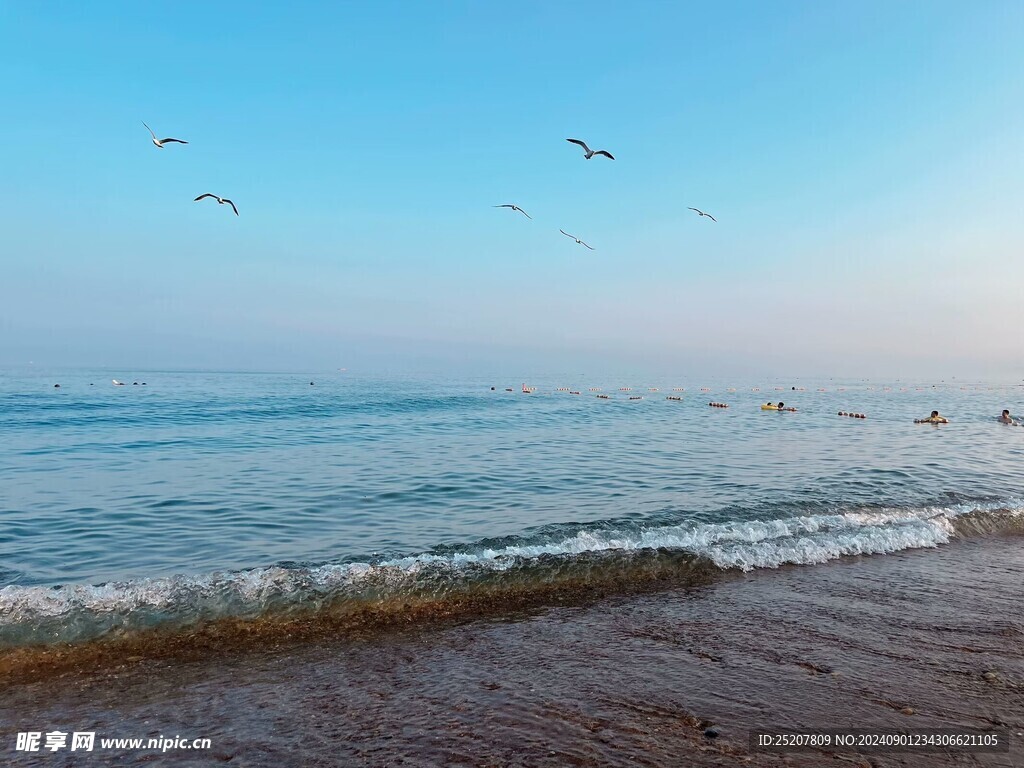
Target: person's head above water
780, 404
935, 413
1006, 413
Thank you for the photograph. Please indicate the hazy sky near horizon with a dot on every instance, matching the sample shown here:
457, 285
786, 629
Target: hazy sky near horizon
865, 162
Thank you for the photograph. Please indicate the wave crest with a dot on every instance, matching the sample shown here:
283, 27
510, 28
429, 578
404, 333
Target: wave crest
596, 556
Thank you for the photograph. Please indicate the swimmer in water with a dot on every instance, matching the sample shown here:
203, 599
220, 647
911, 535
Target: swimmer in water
1006, 418
782, 407
935, 418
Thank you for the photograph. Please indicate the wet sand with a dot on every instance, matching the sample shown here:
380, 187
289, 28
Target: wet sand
921, 638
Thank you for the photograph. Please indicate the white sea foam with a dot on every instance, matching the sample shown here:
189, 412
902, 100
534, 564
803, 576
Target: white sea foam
76, 612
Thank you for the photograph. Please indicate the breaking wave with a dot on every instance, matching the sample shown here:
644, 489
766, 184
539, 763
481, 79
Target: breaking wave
606, 556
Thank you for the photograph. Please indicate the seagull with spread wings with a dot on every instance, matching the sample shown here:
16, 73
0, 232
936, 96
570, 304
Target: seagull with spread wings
703, 214
221, 200
514, 208
574, 238
160, 142
588, 152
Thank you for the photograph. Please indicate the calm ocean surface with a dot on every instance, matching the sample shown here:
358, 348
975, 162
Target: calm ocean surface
198, 495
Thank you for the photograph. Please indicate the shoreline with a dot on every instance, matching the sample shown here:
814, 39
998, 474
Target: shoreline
918, 638
500, 600
284, 607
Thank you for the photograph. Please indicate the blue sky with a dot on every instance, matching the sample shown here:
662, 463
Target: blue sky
865, 162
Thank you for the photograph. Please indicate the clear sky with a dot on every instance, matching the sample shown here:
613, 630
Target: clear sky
865, 162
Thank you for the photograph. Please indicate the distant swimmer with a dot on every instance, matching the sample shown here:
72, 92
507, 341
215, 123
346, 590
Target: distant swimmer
221, 200
698, 210
514, 208
588, 152
935, 418
578, 241
1006, 418
160, 142
782, 407
117, 383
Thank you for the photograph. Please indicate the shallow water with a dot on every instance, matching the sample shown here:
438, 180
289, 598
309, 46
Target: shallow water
172, 491
916, 640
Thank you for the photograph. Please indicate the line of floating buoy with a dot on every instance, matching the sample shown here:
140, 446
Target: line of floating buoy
674, 397
562, 389
595, 389
705, 389
678, 389
755, 389
652, 389
853, 415
528, 390
625, 389
719, 405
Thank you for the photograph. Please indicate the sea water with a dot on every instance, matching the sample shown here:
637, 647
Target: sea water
186, 496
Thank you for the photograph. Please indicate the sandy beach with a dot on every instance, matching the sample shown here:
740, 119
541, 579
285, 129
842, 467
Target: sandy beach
917, 639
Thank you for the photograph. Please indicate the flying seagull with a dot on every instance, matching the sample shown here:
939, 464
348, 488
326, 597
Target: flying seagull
703, 214
160, 142
514, 208
588, 152
574, 238
220, 200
